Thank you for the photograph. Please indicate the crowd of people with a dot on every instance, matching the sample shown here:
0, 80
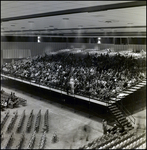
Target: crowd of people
98, 76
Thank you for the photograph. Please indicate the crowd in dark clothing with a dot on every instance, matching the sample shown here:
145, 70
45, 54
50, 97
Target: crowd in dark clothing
98, 76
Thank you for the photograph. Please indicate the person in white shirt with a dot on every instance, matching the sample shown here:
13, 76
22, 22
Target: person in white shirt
72, 82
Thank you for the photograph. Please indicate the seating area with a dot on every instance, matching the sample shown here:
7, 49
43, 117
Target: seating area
19, 146
21, 121
98, 76
12, 122
10, 141
46, 125
29, 125
37, 123
131, 140
42, 140
32, 140
4, 119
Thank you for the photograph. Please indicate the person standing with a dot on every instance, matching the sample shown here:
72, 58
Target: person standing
72, 85
104, 123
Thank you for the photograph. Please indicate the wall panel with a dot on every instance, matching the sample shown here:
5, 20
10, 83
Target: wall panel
39, 48
16, 53
34, 47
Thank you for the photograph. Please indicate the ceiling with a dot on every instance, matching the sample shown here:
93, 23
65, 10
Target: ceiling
15, 18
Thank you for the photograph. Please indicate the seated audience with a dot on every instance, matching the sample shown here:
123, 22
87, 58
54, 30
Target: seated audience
97, 76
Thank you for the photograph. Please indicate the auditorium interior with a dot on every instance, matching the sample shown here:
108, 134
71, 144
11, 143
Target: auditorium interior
73, 74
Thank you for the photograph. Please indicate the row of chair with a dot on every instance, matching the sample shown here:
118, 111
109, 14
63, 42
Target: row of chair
119, 140
127, 141
12, 122
142, 146
99, 141
37, 123
19, 146
32, 141
20, 124
108, 141
9, 142
46, 117
29, 123
42, 141
139, 140
4, 119
136, 140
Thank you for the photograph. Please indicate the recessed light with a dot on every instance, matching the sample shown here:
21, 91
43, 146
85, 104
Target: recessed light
12, 25
65, 18
98, 15
30, 21
108, 21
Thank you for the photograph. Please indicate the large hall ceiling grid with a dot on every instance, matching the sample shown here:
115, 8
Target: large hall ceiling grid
94, 21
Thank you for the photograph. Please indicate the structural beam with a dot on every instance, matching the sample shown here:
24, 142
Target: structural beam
79, 10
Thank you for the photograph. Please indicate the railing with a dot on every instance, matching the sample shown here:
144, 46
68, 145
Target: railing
126, 113
124, 110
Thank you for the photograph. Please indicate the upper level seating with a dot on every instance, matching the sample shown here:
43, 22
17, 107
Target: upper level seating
98, 76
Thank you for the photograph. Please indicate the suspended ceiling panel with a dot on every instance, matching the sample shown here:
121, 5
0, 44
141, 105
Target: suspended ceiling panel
101, 21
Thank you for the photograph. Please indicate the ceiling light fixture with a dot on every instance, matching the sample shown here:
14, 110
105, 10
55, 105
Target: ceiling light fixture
108, 21
80, 26
98, 15
65, 18
30, 21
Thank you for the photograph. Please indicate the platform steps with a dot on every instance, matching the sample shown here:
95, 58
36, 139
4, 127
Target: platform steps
119, 116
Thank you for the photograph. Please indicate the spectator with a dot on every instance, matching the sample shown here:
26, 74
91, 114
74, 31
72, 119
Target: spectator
99, 76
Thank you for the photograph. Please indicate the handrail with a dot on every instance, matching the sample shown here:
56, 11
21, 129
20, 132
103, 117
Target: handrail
126, 112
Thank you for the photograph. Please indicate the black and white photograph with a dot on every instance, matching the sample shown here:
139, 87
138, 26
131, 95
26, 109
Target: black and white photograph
73, 75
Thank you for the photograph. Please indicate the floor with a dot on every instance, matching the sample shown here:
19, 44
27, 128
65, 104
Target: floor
68, 125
